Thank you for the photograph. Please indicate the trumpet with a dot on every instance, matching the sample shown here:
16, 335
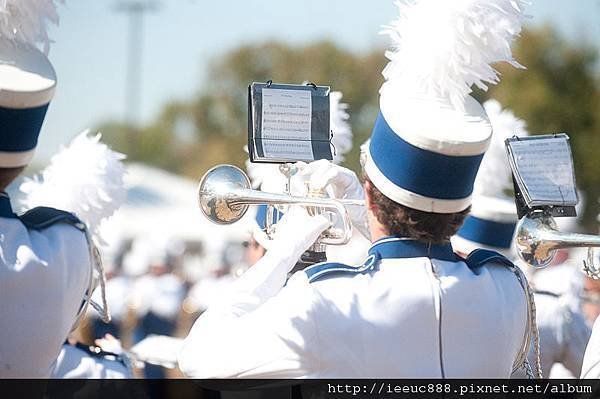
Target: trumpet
538, 239
224, 196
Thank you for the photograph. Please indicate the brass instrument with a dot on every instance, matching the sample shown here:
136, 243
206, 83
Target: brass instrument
538, 239
225, 194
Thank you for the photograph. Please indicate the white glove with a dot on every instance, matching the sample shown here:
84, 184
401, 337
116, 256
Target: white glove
340, 183
294, 234
297, 231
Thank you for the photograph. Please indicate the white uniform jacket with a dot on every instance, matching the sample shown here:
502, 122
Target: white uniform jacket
44, 273
81, 362
591, 359
563, 335
411, 311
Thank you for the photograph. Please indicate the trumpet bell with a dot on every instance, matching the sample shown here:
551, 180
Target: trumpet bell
538, 240
216, 194
534, 246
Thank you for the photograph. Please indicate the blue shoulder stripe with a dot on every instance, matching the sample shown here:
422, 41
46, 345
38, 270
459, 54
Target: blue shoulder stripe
326, 269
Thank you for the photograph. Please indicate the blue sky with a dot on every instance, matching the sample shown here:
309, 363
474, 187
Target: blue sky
90, 47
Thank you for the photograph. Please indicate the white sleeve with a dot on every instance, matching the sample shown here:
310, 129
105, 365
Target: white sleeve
256, 337
591, 359
574, 336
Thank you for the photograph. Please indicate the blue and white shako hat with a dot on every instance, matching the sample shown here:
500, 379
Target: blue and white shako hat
430, 135
258, 229
27, 79
493, 218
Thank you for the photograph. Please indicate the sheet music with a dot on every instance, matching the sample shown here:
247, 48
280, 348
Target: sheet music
284, 149
286, 114
545, 169
288, 123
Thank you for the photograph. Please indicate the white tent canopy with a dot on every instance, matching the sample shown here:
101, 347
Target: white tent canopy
161, 203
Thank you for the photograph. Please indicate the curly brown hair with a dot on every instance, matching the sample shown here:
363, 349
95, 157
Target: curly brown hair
402, 221
7, 175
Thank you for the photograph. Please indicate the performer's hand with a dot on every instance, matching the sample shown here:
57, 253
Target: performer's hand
340, 183
297, 230
110, 344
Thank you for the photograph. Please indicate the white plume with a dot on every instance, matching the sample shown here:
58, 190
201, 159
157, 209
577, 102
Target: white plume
85, 178
27, 21
494, 176
443, 47
342, 131
260, 172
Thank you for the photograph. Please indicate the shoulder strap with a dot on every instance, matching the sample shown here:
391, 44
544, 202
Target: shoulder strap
42, 217
480, 257
321, 270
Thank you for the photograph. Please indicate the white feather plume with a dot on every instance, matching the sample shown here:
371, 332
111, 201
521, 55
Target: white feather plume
27, 21
338, 121
443, 47
85, 178
494, 176
260, 172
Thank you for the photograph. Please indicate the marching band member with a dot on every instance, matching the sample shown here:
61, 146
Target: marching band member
413, 308
491, 225
591, 359
79, 361
48, 258
157, 296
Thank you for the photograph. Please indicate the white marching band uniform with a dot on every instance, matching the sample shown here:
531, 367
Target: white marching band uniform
44, 275
563, 332
49, 263
334, 323
83, 362
411, 309
591, 360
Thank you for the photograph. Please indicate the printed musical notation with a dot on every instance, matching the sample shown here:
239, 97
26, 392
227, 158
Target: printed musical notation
545, 169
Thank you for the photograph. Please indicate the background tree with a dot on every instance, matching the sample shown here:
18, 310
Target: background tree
559, 92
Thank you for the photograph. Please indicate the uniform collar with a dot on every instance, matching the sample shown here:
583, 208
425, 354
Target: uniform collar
395, 247
5, 207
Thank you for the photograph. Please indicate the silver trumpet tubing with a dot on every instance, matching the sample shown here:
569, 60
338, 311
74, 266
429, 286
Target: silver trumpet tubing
225, 194
538, 239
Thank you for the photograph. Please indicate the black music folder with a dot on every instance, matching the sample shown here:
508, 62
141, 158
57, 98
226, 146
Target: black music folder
288, 123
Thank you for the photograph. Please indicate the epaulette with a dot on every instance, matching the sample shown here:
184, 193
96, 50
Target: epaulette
480, 257
42, 217
330, 269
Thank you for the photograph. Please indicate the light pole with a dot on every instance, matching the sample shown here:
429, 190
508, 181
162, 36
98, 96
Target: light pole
133, 85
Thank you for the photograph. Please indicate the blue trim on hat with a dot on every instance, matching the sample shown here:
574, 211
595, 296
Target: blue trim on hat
261, 216
487, 232
422, 172
5, 207
20, 128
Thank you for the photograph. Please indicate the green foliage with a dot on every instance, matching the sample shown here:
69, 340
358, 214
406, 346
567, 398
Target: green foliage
559, 92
